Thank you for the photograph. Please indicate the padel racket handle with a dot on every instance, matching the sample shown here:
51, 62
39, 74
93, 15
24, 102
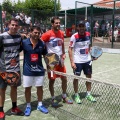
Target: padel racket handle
90, 63
51, 72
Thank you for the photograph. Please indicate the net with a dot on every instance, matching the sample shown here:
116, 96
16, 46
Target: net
107, 95
106, 107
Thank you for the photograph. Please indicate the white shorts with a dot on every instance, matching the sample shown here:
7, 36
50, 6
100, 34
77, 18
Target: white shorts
33, 81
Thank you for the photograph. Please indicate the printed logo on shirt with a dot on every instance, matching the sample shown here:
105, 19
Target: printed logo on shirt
59, 42
34, 57
84, 51
13, 62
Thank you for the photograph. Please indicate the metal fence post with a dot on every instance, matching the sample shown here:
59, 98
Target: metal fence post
75, 12
1, 24
91, 22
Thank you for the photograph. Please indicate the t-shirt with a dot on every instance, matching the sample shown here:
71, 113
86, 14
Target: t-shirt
54, 41
81, 47
32, 65
9, 52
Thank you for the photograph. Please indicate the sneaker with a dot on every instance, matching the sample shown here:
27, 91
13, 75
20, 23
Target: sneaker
54, 103
27, 111
77, 99
90, 98
67, 100
2, 116
42, 109
16, 111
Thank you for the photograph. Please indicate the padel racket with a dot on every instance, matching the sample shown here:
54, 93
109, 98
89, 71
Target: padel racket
51, 60
11, 78
95, 52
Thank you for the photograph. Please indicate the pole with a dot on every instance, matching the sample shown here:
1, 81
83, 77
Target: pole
55, 7
65, 20
1, 24
75, 13
91, 22
113, 25
86, 13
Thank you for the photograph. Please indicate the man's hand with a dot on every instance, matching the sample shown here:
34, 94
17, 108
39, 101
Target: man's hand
73, 65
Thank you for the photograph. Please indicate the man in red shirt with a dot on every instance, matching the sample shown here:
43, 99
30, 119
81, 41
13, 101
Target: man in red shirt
54, 40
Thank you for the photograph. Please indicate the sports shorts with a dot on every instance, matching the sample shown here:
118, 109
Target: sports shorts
29, 81
58, 68
87, 69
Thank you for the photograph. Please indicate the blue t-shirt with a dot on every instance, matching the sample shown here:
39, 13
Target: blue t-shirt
32, 65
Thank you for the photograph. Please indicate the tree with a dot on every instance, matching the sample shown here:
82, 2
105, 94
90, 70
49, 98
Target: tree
7, 6
19, 6
42, 8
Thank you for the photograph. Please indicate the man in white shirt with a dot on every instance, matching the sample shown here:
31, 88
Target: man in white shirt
80, 59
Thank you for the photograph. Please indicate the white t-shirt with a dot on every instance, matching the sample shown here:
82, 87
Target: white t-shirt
81, 47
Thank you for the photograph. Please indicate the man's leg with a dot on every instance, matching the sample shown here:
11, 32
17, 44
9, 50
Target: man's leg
2, 100
64, 84
77, 72
28, 94
13, 95
41, 107
51, 87
28, 100
75, 84
88, 86
64, 88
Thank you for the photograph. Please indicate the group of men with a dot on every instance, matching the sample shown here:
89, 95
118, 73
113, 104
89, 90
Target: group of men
11, 44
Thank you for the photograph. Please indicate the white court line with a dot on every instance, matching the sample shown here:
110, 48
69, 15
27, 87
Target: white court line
106, 71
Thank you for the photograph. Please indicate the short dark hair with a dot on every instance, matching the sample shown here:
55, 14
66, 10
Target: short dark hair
54, 18
13, 19
35, 27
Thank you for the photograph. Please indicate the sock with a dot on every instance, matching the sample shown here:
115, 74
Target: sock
1, 109
28, 105
88, 92
53, 97
14, 104
64, 95
40, 103
76, 94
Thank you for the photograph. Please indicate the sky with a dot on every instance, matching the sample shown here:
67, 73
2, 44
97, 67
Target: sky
68, 4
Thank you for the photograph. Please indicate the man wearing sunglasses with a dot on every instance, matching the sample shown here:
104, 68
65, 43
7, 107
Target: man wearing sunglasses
80, 59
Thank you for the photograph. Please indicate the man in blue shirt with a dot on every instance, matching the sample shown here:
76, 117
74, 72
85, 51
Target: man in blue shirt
87, 25
33, 71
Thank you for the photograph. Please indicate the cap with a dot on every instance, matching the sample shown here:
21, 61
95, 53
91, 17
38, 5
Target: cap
81, 23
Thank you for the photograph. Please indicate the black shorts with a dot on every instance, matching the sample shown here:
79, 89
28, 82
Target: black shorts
87, 69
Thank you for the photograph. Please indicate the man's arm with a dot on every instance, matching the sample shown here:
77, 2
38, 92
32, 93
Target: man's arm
70, 52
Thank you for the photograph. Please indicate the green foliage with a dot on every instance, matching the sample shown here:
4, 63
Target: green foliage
36, 8
7, 6
19, 6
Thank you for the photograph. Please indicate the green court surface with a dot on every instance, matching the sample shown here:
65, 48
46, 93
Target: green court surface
105, 69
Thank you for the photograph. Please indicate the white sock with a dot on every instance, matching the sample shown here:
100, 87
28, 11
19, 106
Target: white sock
64, 95
76, 94
28, 105
88, 92
40, 103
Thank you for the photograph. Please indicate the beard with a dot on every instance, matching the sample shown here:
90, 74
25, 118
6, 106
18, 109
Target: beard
57, 28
